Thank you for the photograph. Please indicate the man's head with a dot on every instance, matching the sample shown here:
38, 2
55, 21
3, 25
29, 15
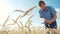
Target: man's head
42, 5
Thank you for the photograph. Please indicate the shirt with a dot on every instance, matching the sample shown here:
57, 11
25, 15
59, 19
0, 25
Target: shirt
48, 13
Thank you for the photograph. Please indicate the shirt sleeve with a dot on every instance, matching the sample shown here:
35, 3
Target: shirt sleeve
53, 11
41, 15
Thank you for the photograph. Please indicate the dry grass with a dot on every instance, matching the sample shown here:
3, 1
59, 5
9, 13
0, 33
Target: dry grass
21, 29
18, 31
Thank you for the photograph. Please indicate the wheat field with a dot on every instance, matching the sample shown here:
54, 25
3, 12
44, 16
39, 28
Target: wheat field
26, 31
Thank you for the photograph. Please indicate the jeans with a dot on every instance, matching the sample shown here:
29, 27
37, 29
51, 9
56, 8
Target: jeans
52, 25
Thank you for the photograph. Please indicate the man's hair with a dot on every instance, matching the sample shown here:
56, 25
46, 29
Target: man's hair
41, 2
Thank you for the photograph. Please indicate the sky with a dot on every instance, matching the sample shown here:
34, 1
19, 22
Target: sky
7, 7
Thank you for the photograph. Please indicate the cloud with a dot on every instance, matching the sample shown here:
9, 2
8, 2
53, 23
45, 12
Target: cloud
58, 15
58, 12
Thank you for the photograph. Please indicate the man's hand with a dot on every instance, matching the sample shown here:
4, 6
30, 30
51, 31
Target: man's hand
48, 21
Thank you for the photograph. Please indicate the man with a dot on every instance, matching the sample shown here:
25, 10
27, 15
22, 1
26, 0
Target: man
49, 14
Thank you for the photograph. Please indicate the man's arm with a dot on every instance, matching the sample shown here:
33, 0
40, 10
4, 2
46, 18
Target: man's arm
54, 18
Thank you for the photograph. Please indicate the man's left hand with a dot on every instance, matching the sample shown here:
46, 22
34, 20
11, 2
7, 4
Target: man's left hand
49, 22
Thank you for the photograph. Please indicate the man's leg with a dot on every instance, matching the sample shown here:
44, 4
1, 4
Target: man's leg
53, 27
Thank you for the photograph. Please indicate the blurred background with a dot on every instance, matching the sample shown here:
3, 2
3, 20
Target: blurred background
7, 7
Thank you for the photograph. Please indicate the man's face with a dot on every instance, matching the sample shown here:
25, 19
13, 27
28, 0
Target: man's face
43, 6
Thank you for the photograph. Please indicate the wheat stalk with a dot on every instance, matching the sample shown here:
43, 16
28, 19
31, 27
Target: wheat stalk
5, 22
